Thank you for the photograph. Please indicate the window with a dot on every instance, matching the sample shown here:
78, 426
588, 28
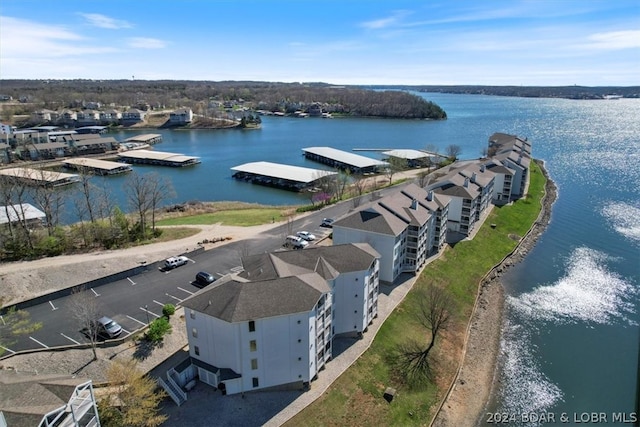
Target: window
194, 333
192, 314
255, 381
252, 326
196, 350
252, 345
254, 364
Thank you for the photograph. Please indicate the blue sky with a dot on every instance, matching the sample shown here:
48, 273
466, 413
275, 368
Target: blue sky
518, 42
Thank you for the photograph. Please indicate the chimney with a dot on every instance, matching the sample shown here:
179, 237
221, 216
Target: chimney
473, 177
466, 182
414, 204
482, 168
430, 195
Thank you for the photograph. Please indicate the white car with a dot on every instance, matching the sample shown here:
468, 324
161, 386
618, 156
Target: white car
306, 235
327, 222
175, 261
296, 242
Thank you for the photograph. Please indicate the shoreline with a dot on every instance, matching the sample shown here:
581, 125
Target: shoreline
474, 385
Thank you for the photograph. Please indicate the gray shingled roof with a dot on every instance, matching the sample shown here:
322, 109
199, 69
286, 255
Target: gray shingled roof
234, 300
327, 261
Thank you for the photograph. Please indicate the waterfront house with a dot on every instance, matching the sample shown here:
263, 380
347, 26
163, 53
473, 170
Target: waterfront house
182, 116
405, 228
110, 116
87, 118
132, 116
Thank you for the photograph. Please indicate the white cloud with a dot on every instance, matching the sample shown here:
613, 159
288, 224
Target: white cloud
103, 21
615, 40
146, 43
393, 20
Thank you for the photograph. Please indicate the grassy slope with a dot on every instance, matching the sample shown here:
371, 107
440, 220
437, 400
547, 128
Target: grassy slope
356, 397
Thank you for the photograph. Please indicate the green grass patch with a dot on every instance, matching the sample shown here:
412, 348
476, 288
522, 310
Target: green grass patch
244, 217
355, 398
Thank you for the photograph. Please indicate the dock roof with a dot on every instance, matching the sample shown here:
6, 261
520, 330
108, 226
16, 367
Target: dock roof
40, 175
156, 155
96, 164
288, 172
407, 154
344, 157
144, 137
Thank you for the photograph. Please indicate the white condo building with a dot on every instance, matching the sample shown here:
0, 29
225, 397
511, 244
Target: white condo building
273, 325
405, 228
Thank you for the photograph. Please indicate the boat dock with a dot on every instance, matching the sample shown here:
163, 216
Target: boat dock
99, 167
277, 175
38, 177
147, 138
343, 160
158, 158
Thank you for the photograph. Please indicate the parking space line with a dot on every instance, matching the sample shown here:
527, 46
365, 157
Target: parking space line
95, 293
136, 320
161, 304
132, 282
237, 269
184, 290
7, 349
44, 345
150, 312
175, 298
69, 338
52, 306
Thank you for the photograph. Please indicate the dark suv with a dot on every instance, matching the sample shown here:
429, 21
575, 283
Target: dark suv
203, 278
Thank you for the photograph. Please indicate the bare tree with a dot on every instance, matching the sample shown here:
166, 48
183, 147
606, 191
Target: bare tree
453, 151
83, 307
160, 189
341, 182
139, 195
51, 200
433, 307
87, 191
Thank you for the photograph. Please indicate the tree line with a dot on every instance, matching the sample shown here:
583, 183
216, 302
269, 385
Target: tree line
284, 97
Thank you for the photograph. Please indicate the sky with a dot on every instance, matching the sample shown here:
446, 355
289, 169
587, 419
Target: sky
359, 42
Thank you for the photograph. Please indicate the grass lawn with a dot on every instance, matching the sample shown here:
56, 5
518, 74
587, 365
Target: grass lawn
355, 398
234, 214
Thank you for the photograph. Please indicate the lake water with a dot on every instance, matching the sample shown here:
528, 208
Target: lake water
571, 334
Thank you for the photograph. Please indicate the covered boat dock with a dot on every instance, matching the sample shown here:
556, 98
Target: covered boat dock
343, 160
295, 178
414, 158
40, 176
99, 167
147, 138
158, 158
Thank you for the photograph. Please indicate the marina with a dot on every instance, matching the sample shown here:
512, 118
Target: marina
98, 167
158, 158
277, 175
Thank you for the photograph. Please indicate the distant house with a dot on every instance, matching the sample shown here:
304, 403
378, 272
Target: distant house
41, 116
87, 118
46, 400
405, 228
181, 117
110, 116
133, 115
22, 213
68, 117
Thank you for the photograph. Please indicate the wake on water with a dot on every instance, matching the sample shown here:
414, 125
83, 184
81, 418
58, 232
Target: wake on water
588, 293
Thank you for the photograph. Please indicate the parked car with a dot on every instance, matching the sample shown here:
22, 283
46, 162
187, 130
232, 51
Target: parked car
107, 327
296, 242
306, 235
203, 278
327, 222
175, 261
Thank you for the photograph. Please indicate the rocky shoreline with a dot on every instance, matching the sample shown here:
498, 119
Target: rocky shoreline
474, 383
